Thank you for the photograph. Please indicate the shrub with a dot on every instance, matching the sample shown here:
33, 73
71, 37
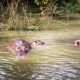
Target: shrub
33, 27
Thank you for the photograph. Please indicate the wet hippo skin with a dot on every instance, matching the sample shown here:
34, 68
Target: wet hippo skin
19, 47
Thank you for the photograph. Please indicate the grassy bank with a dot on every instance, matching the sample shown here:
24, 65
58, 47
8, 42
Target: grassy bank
39, 24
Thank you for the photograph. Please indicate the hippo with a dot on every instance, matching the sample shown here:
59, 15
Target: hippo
21, 47
77, 43
38, 43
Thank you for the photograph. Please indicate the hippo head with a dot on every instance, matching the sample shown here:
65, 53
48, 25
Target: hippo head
21, 50
77, 43
19, 47
37, 43
22, 47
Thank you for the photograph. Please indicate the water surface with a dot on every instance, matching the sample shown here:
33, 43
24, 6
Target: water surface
58, 59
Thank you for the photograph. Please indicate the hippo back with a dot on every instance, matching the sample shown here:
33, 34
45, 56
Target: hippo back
21, 42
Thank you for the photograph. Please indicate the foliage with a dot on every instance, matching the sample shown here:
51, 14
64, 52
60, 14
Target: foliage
11, 13
71, 5
63, 7
41, 3
33, 27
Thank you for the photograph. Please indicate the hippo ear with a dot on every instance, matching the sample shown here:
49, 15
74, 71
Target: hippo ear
38, 40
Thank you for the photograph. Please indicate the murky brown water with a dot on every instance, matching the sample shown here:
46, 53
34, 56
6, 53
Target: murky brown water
58, 59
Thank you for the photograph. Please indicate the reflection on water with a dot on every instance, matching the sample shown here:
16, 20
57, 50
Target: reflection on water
58, 59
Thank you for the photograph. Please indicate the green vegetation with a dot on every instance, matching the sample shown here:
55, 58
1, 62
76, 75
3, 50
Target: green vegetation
37, 14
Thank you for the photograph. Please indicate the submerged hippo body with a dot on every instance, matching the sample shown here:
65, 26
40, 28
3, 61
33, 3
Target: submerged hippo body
19, 47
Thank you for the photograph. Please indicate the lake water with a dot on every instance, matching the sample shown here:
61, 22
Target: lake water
58, 59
